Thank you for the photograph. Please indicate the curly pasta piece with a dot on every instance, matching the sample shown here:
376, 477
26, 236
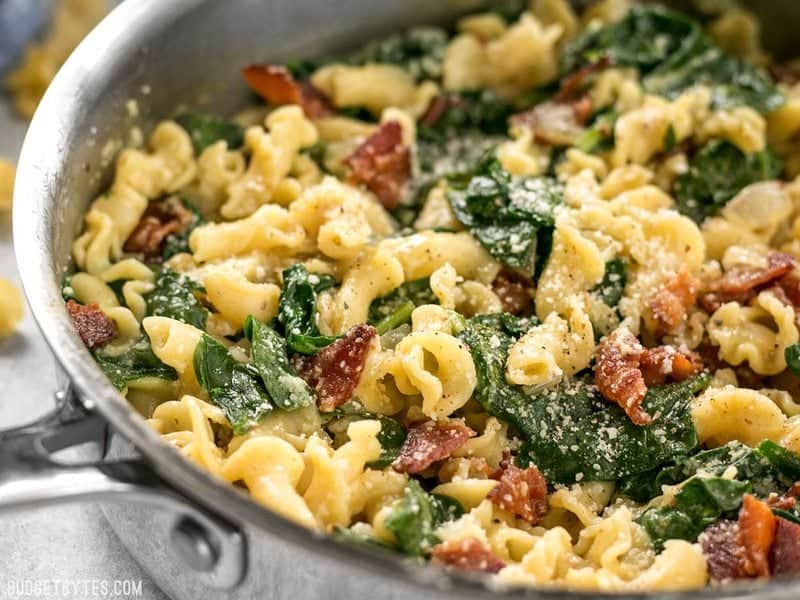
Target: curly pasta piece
341, 218
269, 229
438, 366
174, 344
375, 87
758, 334
556, 348
273, 154
730, 413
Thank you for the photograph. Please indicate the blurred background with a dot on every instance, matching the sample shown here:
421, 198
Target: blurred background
73, 544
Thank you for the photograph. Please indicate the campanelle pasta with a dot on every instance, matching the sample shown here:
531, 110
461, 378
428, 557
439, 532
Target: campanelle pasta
519, 299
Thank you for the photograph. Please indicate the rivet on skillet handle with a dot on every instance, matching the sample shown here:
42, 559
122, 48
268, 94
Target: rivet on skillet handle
30, 477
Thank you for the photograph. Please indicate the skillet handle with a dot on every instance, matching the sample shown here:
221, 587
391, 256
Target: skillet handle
30, 477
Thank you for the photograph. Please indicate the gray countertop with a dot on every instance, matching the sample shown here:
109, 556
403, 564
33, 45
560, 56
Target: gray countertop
70, 550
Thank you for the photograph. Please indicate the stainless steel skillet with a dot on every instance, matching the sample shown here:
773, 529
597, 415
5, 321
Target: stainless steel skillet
199, 538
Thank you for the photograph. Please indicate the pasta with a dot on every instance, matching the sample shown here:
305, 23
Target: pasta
7, 172
521, 298
11, 307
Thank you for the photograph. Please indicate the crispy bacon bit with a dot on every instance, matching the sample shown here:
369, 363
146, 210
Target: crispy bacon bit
669, 306
785, 501
522, 492
278, 86
436, 110
383, 164
786, 548
756, 534
159, 221
94, 327
430, 442
514, 291
335, 370
582, 109
784, 73
722, 551
617, 374
742, 284
468, 554
668, 363
574, 83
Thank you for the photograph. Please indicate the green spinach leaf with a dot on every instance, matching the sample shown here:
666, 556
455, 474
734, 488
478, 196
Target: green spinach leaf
700, 502
792, 354
285, 388
297, 311
206, 130
420, 51
415, 517
673, 53
394, 309
717, 173
615, 278
231, 385
505, 215
569, 431
174, 296
136, 363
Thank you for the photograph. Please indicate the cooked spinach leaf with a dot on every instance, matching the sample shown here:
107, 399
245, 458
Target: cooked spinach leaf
570, 432
599, 135
297, 309
733, 81
137, 362
231, 385
392, 310
206, 130
175, 244
615, 278
768, 468
700, 502
673, 53
506, 215
419, 51
174, 297
792, 354
645, 38
509, 324
414, 518
285, 388
717, 173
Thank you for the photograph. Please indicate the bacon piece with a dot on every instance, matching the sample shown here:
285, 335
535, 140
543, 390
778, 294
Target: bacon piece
94, 327
786, 548
334, 371
781, 501
573, 83
514, 291
522, 492
784, 73
468, 554
722, 550
668, 308
668, 363
617, 374
742, 284
756, 535
159, 221
383, 164
277, 85
429, 442
582, 109
436, 110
